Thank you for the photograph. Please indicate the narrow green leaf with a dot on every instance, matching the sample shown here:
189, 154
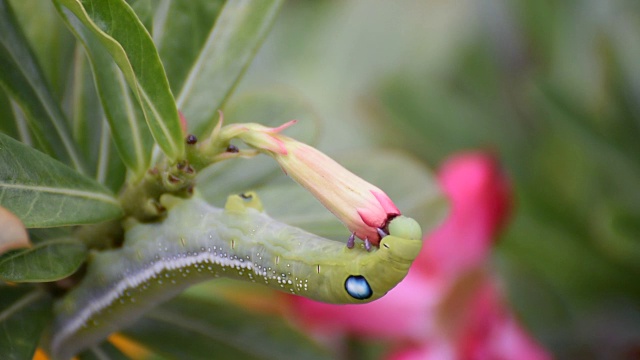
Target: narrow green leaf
110, 170
172, 23
124, 37
229, 48
126, 118
43, 192
83, 108
48, 261
7, 119
197, 329
22, 126
39, 235
90, 126
22, 78
13, 122
144, 9
104, 351
24, 313
51, 42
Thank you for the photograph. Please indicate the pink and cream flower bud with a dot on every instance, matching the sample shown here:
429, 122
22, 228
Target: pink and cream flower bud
362, 207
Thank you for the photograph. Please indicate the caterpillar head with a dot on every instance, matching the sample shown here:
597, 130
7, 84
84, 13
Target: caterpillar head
404, 240
376, 275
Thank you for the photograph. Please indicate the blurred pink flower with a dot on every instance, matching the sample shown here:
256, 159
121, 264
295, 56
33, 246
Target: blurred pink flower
448, 306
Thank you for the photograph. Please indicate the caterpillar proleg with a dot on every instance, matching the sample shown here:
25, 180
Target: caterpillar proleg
198, 242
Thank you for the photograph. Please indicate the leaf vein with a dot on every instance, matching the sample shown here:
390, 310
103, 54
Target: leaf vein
195, 68
55, 120
21, 303
131, 119
32, 204
62, 191
161, 124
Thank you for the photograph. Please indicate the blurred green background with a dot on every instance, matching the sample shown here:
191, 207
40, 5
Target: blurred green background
552, 88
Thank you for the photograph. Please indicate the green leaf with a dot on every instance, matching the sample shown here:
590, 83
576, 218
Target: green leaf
199, 329
90, 127
415, 193
39, 235
172, 23
104, 351
43, 192
48, 261
51, 42
84, 108
22, 126
270, 108
110, 170
122, 34
8, 125
14, 122
231, 44
126, 118
22, 78
145, 9
24, 313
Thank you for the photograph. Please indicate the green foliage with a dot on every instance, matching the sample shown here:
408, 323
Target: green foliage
86, 98
22, 78
214, 327
214, 69
44, 192
24, 315
48, 261
103, 351
131, 137
123, 36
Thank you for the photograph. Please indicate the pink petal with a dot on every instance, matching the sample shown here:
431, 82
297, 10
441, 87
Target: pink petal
282, 127
480, 203
491, 332
387, 205
372, 216
425, 351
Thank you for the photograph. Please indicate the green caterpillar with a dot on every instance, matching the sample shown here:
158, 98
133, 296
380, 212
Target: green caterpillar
198, 242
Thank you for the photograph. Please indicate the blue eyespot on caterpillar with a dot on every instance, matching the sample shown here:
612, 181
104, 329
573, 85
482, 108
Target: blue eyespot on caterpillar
358, 287
198, 242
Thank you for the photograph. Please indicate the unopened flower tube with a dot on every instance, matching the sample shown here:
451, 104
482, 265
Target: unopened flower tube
362, 207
